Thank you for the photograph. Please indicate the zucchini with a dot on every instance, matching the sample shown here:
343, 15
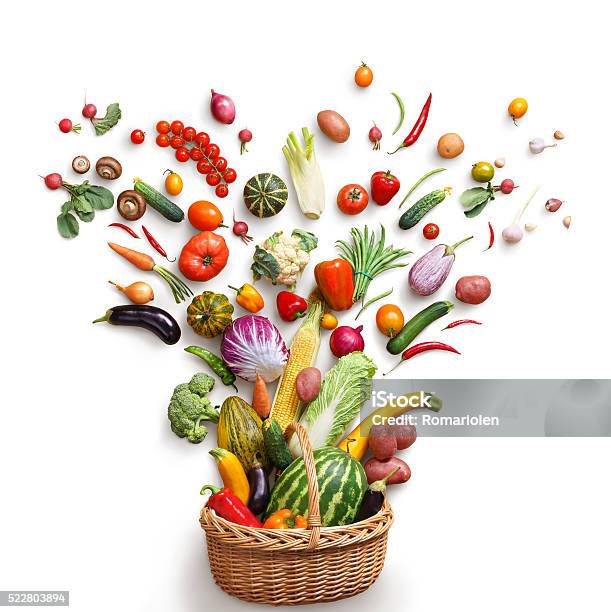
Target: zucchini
158, 201
275, 445
416, 324
416, 211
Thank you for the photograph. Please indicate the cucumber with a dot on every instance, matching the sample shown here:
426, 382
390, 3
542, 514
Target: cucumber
416, 324
275, 445
424, 205
158, 201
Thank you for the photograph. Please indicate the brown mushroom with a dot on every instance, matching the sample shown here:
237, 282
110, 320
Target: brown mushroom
131, 205
81, 164
108, 168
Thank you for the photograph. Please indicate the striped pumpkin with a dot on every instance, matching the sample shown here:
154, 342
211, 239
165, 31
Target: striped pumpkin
239, 431
209, 314
265, 195
341, 484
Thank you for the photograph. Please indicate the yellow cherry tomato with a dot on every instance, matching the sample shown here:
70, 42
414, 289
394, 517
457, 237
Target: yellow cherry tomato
517, 108
363, 76
173, 183
328, 321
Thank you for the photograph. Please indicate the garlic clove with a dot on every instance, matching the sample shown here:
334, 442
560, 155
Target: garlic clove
500, 162
530, 227
566, 222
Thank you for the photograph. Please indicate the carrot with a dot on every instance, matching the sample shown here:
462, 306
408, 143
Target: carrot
180, 291
260, 399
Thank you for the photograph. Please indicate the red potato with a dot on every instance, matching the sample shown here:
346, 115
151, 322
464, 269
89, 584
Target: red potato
307, 384
382, 442
405, 435
473, 289
333, 126
378, 470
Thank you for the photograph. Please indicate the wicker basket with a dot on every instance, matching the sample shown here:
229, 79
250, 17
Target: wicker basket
297, 566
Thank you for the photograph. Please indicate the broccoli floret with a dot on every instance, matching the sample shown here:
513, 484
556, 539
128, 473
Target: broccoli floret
189, 406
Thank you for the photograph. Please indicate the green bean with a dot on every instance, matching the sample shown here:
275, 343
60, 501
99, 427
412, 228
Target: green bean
401, 111
417, 183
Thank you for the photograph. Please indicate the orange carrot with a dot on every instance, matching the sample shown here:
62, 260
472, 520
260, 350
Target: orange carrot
260, 399
180, 291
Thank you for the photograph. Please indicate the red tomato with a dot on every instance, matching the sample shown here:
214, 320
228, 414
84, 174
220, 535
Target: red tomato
352, 199
213, 179
162, 140
212, 151
137, 136
203, 257
202, 139
188, 133
204, 166
176, 142
221, 190
230, 175
430, 231
163, 127
182, 154
204, 215
195, 154
176, 127
220, 164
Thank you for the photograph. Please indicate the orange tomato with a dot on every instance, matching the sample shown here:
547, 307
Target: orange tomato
205, 215
173, 183
328, 321
363, 75
517, 108
389, 320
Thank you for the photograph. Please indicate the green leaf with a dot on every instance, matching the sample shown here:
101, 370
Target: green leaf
307, 241
67, 225
66, 207
102, 125
85, 216
81, 204
79, 189
476, 210
475, 197
100, 198
273, 239
264, 264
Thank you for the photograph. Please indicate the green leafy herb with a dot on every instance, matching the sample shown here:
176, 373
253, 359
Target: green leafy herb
264, 264
110, 119
475, 199
307, 241
67, 225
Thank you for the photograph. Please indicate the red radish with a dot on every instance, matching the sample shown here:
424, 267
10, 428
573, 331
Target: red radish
507, 186
244, 136
53, 180
66, 126
240, 228
222, 108
346, 339
89, 111
375, 135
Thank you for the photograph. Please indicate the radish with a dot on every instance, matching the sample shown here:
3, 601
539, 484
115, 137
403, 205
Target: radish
240, 228
89, 111
244, 136
222, 108
53, 180
66, 126
375, 135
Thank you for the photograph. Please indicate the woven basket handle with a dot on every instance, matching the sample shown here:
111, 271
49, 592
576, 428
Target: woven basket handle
310, 467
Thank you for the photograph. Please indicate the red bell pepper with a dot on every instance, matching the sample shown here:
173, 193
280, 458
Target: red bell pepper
229, 507
384, 187
336, 283
290, 306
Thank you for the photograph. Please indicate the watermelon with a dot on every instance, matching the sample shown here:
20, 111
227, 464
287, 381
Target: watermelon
341, 484
265, 195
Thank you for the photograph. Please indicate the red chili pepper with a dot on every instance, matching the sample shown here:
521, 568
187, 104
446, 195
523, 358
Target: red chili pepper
155, 244
229, 507
384, 186
290, 306
461, 322
129, 230
491, 241
418, 126
421, 348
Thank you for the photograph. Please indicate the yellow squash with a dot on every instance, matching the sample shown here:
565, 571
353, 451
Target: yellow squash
232, 473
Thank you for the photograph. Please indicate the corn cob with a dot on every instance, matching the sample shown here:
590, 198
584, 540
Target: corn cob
303, 352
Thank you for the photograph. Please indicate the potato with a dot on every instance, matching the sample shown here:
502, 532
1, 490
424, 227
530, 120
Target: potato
377, 470
450, 145
473, 289
307, 384
382, 442
405, 435
333, 125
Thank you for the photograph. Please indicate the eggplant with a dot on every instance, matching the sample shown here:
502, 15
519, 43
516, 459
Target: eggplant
259, 488
373, 500
156, 320
432, 269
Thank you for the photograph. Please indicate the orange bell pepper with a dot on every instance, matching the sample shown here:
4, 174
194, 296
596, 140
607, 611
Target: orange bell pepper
284, 519
336, 283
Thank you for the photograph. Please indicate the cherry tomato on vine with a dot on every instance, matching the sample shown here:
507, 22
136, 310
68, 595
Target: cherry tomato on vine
137, 136
163, 140
202, 139
212, 151
189, 133
389, 320
221, 190
204, 166
176, 141
221, 164
214, 178
163, 127
363, 76
352, 199
430, 231
230, 175
182, 154
195, 154
176, 127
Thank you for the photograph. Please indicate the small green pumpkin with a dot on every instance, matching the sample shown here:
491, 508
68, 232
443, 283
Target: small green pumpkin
209, 314
265, 195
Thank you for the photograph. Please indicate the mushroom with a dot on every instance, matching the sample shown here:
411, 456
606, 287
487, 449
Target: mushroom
108, 168
131, 205
81, 164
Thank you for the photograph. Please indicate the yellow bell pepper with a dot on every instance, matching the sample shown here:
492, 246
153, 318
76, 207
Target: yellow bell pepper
248, 298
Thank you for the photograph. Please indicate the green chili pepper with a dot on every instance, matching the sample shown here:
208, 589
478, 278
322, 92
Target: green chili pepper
401, 111
217, 365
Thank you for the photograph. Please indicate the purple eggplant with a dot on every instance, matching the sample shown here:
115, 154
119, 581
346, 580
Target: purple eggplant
432, 269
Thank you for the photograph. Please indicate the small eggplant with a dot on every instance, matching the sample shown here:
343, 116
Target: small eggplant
432, 269
259, 488
156, 320
373, 500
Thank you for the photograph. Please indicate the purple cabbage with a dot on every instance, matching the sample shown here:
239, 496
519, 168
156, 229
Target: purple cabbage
253, 345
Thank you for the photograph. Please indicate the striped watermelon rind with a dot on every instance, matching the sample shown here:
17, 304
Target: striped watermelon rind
265, 194
341, 483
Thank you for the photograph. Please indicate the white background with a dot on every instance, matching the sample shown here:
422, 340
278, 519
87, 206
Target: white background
97, 495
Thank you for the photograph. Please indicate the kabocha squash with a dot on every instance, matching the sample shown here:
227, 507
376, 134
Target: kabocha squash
209, 314
265, 195
239, 431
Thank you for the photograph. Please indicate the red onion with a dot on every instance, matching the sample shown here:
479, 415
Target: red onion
346, 339
222, 108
